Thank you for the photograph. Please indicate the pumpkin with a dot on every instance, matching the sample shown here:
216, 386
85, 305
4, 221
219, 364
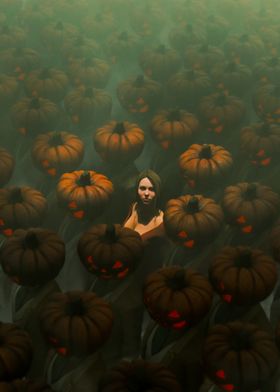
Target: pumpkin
110, 251
101, 24
7, 165
239, 356
21, 207
139, 375
78, 47
267, 70
244, 48
191, 221
76, 322
25, 385
177, 298
16, 352
242, 276
9, 91
32, 257
34, 115
55, 34
186, 88
11, 36
266, 102
89, 72
275, 241
146, 19
234, 78
250, 206
84, 192
140, 95
203, 57
19, 61
47, 83
57, 152
174, 128
122, 46
182, 37
217, 28
160, 63
221, 112
261, 141
88, 106
119, 142
205, 165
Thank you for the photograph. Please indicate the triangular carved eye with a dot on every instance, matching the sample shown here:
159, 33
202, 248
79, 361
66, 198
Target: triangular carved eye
118, 264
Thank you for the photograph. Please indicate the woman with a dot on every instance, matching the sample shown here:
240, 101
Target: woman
145, 216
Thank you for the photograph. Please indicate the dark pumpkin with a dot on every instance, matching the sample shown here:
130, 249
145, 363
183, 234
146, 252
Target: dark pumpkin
250, 206
239, 356
32, 257
76, 322
16, 352
140, 95
191, 221
139, 375
266, 102
7, 164
19, 61
173, 129
21, 207
177, 298
243, 276
110, 251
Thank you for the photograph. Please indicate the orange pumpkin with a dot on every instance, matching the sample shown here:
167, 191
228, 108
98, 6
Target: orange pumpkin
119, 142
205, 165
84, 192
7, 164
191, 221
57, 152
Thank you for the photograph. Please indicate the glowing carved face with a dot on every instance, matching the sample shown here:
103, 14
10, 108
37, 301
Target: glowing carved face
146, 191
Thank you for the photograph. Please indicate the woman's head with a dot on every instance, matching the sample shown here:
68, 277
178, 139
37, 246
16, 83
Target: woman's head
148, 185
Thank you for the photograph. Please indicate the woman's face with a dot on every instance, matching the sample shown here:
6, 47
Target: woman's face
146, 191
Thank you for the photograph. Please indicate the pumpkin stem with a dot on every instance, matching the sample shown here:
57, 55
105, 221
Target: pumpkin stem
240, 341
174, 115
178, 281
123, 36
193, 205
251, 192
139, 81
84, 179
88, 92
244, 259
31, 240
16, 196
206, 152
45, 74
56, 139
110, 235
34, 103
75, 307
119, 128
161, 49
59, 26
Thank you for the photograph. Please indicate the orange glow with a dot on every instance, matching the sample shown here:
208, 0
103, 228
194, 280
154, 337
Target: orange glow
140, 101
174, 314
241, 220
221, 374
79, 214
45, 163
52, 171
179, 325
228, 387
266, 162
2, 223
247, 229
165, 145
62, 350
189, 244
227, 298
144, 109
219, 129
261, 153
72, 204
7, 232
123, 273
182, 234
118, 264
214, 120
